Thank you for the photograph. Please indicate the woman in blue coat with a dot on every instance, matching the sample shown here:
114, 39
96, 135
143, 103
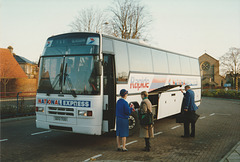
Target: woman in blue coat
122, 114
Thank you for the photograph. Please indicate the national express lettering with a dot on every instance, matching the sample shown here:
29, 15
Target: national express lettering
73, 103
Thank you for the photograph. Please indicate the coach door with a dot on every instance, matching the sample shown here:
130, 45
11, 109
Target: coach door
109, 87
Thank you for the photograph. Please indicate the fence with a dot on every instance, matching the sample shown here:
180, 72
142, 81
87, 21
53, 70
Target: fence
13, 104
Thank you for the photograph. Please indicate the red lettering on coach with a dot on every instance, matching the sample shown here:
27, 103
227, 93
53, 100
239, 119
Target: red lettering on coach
139, 83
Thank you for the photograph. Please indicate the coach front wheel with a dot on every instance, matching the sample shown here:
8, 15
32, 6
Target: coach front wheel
133, 123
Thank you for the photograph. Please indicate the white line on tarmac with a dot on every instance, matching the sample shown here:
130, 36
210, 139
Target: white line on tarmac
202, 117
223, 114
212, 114
33, 134
93, 158
3, 140
129, 143
158, 133
176, 127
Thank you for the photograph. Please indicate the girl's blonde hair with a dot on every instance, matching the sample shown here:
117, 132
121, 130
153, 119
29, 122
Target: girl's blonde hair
144, 93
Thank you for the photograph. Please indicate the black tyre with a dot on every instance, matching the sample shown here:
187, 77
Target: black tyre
133, 123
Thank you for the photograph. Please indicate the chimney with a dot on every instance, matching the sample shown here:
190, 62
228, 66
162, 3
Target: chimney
10, 49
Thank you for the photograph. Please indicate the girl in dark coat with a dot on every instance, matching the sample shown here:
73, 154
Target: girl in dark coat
146, 131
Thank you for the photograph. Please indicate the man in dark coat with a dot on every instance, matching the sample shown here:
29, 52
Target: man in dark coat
189, 108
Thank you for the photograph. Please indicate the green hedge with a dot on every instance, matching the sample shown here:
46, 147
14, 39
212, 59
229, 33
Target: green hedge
11, 111
221, 93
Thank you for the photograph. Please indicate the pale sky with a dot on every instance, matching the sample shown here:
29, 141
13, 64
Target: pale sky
190, 27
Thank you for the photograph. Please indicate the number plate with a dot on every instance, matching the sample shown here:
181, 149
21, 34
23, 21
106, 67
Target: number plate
59, 118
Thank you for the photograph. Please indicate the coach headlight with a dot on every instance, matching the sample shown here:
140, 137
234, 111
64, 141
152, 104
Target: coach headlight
39, 109
84, 113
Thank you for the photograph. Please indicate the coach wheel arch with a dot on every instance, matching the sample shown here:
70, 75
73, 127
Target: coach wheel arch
135, 103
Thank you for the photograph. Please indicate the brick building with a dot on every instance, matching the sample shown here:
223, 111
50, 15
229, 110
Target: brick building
29, 67
209, 68
10, 80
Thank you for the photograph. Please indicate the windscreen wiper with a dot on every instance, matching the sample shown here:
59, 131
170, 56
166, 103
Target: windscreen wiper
57, 79
69, 82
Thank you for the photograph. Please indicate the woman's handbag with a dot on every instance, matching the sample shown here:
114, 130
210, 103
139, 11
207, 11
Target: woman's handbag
146, 118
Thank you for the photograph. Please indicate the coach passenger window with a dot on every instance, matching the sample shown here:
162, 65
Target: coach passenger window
185, 65
174, 63
160, 63
194, 66
140, 58
121, 59
107, 46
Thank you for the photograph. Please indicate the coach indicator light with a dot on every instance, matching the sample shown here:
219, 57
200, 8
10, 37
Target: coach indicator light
89, 113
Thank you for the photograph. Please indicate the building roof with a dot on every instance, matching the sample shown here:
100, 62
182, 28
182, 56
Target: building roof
208, 56
22, 60
9, 67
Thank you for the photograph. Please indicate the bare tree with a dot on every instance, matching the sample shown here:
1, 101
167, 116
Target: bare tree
129, 19
89, 20
230, 63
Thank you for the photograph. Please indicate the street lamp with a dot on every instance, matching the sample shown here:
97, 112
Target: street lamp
105, 23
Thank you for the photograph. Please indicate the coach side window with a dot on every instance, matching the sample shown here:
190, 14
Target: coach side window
160, 63
140, 58
194, 66
174, 63
107, 46
122, 63
185, 65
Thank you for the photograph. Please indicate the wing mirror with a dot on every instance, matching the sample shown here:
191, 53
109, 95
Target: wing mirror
98, 66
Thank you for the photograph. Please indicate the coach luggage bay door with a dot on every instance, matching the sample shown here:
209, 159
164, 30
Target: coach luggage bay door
169, 100
109, 88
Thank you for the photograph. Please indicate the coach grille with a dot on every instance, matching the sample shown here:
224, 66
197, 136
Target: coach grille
61, 111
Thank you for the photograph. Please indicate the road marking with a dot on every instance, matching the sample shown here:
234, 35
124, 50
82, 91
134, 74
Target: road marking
3, 140
202, 117
212, 114
176, 127
93, 158
33, 134
129, 143
223, 114
158, 133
